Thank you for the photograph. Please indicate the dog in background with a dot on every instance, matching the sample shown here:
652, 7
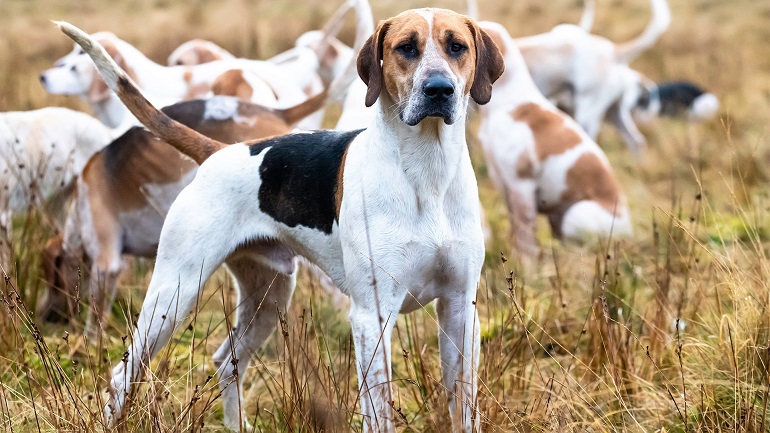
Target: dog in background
541, 161
41, 153
677, 99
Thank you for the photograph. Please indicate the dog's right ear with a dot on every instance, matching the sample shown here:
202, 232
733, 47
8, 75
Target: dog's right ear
370, 63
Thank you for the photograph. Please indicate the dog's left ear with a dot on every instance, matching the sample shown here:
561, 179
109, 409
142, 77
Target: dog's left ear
369, 63
489, 65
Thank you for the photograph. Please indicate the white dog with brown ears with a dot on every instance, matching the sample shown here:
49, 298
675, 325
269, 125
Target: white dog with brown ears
393, 235
541, 161
74, 74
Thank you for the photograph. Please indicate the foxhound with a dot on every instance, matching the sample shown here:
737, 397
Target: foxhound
123, 195
74, 74
41, 152
681, 99
588, 76
316, 53
542, 161
393, 235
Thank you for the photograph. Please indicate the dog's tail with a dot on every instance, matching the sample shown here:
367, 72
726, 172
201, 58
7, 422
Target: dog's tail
472, 9
193, 144
589, 13
661, 19
341, 83
332, 27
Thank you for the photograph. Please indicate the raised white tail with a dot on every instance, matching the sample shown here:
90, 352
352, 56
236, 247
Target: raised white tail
661, 19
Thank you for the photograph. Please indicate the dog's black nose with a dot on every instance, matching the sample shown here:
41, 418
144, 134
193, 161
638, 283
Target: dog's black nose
438, 88
42, 78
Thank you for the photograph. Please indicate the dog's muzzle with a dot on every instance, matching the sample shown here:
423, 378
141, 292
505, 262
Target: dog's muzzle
437, 100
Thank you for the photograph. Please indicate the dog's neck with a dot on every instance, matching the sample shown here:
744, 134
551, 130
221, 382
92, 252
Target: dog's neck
428, 154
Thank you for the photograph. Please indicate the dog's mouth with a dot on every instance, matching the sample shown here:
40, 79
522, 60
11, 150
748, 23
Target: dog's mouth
443, 111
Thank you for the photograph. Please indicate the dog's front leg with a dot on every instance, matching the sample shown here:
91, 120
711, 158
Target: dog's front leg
459, 345
372, 326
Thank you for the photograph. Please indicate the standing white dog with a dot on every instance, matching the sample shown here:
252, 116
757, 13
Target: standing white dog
394, 235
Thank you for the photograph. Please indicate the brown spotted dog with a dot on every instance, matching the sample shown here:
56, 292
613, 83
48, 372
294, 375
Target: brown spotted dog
543, 162
123, 195
317, 58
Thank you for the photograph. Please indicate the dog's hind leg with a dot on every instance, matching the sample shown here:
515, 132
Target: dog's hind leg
196, 238
263, 295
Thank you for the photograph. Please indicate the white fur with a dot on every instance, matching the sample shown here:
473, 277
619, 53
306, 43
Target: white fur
704, 107
589, 77
408, 232
41, 151
74, 73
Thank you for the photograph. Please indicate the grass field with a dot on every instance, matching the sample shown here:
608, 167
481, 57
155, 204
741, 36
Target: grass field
666, 331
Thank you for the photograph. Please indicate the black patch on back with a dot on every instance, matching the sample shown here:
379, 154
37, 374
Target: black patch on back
676, 97
299, 176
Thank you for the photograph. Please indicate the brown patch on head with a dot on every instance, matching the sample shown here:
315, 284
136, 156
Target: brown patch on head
340, 185
589, 178
204, 54
98, 90
552, 134
194, 90
232, 83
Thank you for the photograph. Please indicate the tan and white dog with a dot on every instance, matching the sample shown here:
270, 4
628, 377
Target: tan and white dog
74, 74
123, 195
588, 75
316, 53
41, 153
541, 161
394, 235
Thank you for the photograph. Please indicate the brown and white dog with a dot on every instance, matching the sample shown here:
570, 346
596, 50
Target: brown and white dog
394, 235
588, 75
541, 161
41, 153
74, 74
317, 53
123, 195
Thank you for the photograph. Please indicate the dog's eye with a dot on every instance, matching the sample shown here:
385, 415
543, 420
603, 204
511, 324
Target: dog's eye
408, 49
457, 48
81, 52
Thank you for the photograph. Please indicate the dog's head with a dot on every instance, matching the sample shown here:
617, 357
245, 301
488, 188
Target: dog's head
196, 52
425, 62
75, 73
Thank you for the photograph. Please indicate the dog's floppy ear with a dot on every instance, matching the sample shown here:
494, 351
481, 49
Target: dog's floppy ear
489, 65
369, 63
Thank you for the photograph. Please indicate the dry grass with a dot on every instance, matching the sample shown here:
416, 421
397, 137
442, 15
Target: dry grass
667, 331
